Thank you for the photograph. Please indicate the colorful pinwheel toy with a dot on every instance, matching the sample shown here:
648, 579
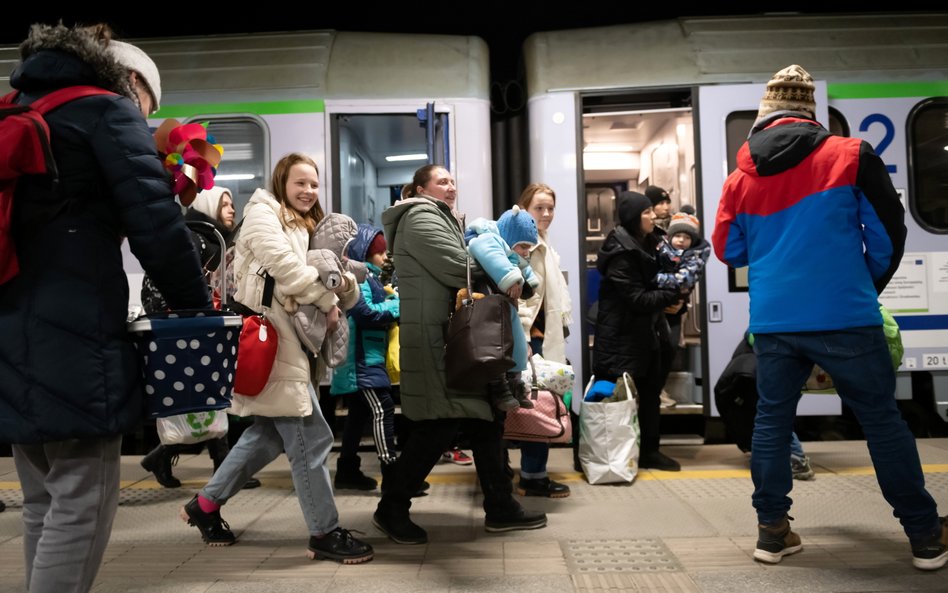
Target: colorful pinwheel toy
191, 155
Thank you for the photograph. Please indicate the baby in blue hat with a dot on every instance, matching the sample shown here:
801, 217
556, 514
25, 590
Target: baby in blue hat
502, 249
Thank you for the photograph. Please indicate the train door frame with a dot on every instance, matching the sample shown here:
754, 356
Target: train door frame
727, 315
662, 105
392, 127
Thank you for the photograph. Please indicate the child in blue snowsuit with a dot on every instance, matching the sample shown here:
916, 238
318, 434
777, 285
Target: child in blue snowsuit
682, 255
502, 248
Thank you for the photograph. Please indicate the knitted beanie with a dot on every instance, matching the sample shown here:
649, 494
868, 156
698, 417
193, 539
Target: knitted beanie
684, 223
517, 226
790, 89
135, 59
657, 195
629, 207
377, 245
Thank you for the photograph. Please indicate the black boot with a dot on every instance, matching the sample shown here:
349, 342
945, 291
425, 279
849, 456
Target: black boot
159, 462
519, 390
500, 396
349, 476
542, 487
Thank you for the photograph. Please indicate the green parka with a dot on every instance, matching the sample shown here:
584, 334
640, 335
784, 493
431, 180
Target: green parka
426, 240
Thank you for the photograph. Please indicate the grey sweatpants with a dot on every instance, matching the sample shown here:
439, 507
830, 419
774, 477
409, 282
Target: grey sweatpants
70, 497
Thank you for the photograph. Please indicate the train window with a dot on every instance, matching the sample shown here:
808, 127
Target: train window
928, 164
738, 125
245, 165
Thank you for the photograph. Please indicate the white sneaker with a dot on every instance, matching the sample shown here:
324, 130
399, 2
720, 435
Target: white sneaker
667, 401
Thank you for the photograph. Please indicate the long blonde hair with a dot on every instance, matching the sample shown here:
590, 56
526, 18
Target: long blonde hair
281, 173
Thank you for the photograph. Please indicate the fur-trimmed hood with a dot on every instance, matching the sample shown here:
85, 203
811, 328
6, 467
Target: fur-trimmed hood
54, 56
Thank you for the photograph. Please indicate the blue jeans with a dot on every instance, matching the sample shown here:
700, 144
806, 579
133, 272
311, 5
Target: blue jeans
533, 459
858, 361
796, 447
307, 442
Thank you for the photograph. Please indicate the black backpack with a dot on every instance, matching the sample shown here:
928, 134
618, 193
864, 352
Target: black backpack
735, 395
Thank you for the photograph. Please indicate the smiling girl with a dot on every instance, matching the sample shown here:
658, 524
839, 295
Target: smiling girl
273, 241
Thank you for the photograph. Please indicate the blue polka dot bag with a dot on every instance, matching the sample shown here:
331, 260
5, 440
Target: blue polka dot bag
189, 358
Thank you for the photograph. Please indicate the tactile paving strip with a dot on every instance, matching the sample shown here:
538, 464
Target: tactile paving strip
619, 555
11, 498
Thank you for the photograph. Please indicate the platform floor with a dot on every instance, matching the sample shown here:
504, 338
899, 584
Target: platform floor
686, 532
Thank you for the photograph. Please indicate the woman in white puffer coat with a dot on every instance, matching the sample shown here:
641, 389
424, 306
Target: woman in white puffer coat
545, 317
274, 239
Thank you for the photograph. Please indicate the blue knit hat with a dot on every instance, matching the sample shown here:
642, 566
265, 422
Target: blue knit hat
517, 226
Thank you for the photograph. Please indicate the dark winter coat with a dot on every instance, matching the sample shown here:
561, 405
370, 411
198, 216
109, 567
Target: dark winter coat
68, 368
427, 242
630, 324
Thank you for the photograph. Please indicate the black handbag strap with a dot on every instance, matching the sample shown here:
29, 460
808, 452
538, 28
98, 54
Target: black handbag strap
470, 289
268, 285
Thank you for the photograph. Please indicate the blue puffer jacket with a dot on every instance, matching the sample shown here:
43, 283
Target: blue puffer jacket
68, 368
369, 321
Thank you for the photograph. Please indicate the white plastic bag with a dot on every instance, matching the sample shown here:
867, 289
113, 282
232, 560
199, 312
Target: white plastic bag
609, 434
195, 427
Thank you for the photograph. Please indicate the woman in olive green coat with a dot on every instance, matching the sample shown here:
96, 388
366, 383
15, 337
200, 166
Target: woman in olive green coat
426, 240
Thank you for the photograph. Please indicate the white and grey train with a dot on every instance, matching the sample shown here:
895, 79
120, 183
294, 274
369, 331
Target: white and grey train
609, 108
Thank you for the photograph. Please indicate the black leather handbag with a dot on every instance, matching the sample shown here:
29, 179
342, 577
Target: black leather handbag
478, 345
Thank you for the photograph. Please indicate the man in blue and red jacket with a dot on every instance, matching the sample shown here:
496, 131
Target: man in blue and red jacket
818, 223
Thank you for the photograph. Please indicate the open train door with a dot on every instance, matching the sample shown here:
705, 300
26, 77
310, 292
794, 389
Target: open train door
725, 115
376, 153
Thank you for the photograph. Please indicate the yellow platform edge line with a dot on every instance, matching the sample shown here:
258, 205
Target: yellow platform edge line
471, 477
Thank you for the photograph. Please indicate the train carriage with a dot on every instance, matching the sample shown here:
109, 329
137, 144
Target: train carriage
663, 103
370, 108
668, 103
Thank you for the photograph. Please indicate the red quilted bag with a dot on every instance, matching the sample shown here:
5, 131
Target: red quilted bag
256, 353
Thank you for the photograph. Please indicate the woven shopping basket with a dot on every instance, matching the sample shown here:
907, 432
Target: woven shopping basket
189, 356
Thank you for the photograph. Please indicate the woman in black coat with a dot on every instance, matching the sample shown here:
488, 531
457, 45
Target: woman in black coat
631, 331
70, 378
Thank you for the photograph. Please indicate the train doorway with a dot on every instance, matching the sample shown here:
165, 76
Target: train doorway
630, 141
